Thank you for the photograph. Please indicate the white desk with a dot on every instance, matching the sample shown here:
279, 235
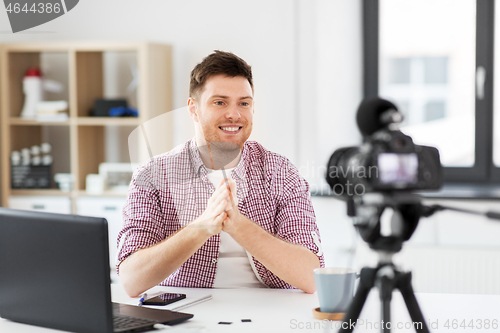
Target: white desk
274, 310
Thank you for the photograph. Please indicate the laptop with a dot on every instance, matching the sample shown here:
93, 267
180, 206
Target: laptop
54, 272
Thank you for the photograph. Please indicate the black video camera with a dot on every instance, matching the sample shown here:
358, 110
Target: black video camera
387, 161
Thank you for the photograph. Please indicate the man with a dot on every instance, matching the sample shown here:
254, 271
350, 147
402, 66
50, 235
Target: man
219, 211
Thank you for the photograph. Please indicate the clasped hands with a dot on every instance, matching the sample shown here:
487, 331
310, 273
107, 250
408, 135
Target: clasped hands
222, 211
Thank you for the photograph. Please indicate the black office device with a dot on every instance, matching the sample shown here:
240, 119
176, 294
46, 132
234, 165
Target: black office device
102, 106
164, 299
54, 272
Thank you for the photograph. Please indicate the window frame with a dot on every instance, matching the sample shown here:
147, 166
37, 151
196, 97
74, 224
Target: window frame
483, 171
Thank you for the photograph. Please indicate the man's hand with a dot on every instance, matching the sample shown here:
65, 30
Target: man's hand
211, 221
234, 222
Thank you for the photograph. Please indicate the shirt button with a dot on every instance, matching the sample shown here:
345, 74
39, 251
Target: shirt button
214, 261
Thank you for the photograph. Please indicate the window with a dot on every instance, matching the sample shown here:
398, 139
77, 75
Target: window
418, 85
434, 60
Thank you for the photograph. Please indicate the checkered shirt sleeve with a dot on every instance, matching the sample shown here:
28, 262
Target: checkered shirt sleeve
142, 215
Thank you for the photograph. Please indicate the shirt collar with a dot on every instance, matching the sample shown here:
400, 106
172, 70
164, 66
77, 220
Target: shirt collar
199, 166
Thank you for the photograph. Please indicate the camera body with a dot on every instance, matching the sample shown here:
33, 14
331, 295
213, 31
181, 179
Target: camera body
387, 161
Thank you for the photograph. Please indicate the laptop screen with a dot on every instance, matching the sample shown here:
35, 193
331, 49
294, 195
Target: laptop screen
54, 271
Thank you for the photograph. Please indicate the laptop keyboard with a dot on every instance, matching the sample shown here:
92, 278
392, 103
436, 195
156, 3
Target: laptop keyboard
123, 323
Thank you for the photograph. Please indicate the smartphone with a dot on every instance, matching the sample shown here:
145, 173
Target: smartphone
164, 299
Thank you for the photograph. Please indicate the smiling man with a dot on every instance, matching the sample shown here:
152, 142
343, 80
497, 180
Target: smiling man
219, 211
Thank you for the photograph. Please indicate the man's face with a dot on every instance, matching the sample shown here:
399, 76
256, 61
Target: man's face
224, 109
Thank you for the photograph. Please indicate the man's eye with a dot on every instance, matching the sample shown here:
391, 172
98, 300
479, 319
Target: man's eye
219, 103
245, 103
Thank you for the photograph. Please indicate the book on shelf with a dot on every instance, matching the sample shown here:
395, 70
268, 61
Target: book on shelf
52, 111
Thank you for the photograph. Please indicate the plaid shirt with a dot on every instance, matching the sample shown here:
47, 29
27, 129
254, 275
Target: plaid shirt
172, 189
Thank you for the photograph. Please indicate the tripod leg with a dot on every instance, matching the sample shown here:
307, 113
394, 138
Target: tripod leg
404, 285
366, 282
386, 316
385, 288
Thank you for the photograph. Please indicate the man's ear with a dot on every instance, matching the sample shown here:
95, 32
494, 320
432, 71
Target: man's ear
192, 109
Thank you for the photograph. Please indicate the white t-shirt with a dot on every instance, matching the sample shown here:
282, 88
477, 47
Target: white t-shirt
235, 266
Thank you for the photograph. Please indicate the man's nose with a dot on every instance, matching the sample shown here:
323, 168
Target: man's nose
233, 112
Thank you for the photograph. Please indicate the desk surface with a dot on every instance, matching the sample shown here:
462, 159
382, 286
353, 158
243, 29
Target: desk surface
274, 310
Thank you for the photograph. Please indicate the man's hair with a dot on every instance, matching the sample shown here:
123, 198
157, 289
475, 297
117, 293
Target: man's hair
218, 63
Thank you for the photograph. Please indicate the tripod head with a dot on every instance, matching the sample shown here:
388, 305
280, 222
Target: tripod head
368, 209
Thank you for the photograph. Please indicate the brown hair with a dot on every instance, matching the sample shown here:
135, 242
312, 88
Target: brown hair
217, 63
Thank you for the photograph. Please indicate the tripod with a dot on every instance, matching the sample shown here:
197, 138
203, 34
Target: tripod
386, 277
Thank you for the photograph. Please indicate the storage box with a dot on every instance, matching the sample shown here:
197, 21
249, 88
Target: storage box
55, 204
30, 176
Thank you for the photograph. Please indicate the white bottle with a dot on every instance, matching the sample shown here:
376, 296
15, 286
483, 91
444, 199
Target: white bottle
33, 91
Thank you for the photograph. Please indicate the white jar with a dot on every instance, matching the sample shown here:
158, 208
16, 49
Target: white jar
33, 91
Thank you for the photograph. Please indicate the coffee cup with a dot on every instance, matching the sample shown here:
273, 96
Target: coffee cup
335, 288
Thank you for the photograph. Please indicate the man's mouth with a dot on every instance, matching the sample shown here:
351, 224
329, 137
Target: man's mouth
230, 129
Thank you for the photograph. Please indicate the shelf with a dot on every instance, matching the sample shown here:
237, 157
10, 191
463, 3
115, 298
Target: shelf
30, 122
107, 121
88, 71
81, 121
88, 46
56, 192
40, 192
